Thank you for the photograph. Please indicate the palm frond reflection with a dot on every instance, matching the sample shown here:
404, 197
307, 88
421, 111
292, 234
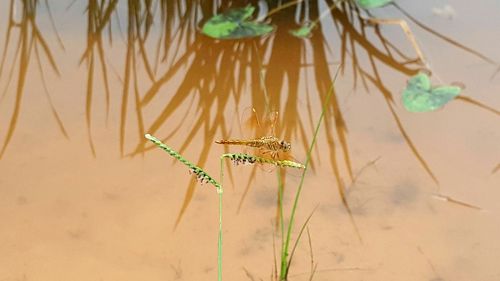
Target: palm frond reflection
271, 70
30, 42
171, 69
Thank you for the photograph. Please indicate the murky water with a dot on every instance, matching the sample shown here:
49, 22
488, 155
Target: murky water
399, 195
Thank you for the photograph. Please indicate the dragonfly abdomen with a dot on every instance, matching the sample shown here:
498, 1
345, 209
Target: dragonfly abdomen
269, 143
251, 143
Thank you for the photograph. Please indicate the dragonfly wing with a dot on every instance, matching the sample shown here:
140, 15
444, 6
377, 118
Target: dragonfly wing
279, 156
258, 124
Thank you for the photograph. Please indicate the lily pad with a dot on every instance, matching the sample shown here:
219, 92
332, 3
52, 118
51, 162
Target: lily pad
235, 24
421, 96
369, 4
304, 31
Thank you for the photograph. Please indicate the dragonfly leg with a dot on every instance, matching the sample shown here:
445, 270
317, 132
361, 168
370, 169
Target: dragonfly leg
272, 153
265, 151
275, 155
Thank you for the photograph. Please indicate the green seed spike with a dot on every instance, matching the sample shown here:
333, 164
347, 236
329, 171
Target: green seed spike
241, 158
201, 175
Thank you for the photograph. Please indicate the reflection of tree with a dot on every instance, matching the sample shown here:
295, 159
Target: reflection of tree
219, 72
352, 39
30, 42
139, 23
98, 17
138, 27
202, 72
282, 60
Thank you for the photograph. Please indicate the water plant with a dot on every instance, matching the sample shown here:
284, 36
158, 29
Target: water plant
370, 4
421, 96
235, 24
203, 177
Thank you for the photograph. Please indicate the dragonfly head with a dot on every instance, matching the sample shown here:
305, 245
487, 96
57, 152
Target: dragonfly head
285, 146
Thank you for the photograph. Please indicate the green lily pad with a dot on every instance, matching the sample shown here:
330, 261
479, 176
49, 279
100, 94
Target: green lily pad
235, 24
369, 4
420, 96
304, 31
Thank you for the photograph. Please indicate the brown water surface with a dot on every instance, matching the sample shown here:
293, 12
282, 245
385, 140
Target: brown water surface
399, 195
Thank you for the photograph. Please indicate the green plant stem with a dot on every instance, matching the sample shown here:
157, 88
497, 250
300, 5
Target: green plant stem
280, 206
284, 261
219, 240
202, 176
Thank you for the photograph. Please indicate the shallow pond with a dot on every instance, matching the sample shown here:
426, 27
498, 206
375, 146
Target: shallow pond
397, 195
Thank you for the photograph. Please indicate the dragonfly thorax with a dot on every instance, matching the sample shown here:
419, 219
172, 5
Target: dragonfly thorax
274, 144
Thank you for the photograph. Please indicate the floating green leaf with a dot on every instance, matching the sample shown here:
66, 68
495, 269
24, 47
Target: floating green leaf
420, 96
304, 31
235, 24
369, 4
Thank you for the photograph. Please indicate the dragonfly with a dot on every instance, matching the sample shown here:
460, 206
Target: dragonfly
268, 144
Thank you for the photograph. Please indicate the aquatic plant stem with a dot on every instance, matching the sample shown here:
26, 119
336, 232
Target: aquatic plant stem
280, 206
202, 176
284, 261
219, 240
240, 158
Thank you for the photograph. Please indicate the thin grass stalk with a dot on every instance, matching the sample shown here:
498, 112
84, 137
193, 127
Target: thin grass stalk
280, 206
242, 158
202, 176
219, 238
284, 261
304, 225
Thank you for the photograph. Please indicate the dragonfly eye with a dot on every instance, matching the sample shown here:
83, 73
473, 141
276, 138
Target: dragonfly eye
285, 146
